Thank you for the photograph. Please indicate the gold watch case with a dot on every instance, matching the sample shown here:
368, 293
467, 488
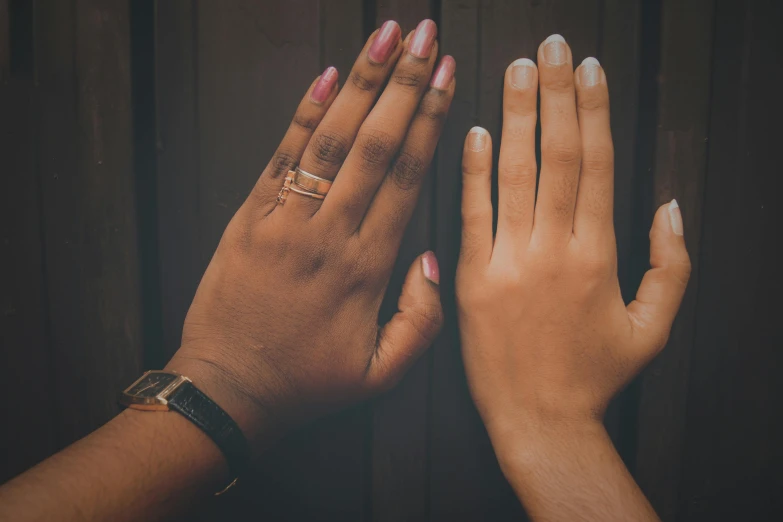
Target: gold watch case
151, 391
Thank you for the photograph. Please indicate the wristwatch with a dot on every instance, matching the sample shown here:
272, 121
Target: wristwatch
167, 390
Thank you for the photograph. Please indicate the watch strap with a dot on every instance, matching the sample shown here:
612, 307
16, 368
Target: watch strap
215, 422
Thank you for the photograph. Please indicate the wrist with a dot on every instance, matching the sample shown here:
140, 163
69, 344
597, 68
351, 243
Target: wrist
222, 388
526, 444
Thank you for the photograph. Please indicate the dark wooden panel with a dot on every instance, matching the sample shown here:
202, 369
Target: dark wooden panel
5, 41
89, 220
399, 440
27, 435
679, 170
182, 261
732, 455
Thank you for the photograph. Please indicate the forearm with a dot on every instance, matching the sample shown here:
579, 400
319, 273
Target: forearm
139, 466
572, 474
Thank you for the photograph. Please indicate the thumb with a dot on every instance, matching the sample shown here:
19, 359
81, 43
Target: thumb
411, 330
661, 291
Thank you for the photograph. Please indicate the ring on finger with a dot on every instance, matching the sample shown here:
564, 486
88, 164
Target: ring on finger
304, 183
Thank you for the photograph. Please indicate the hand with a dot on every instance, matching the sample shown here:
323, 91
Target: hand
546, 337
284, 325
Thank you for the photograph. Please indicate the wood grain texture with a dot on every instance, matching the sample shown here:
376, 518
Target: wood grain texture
679, 171
732, 454
27, 435
88, 206
181, 260
5, 41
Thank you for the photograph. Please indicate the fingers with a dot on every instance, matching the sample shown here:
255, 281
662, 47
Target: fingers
311, 111
517, 163
663, 286
334, 137
396, 198
594, 201
384, 130
411, 330
560, 140
476, 197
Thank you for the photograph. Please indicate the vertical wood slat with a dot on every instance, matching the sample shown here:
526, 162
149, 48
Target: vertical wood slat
732, 454
27, 435
399, 421
5, 41
680, 166
181, 260
88, 206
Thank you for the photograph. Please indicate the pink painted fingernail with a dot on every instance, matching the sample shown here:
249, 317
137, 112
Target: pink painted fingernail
675, 217
385, 42
324, 86
444, 73
423, 38
429, 263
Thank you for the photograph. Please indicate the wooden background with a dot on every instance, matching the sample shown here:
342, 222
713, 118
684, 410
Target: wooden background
131, 130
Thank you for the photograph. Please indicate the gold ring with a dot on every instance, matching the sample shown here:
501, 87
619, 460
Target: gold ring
311, 182
283, 194
306, 193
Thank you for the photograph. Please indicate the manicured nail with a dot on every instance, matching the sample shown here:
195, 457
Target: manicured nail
523, 73
444, 73
384, 42
429, 264
555, 52
590, 72
477, 139
675, 217
324, 86
423, 38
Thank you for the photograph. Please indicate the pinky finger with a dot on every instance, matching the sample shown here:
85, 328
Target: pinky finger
309, 114
476, 197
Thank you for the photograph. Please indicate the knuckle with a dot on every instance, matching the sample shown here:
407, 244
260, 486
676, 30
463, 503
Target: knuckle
592, 101
432, 109
330, 148
282, 162
408, 78
305, 122
598, 159
518, 175
376, 147
562, 152
560, 82
362, 82
408, 170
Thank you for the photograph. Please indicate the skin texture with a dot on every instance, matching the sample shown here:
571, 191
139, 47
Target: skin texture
546, 337
284, 325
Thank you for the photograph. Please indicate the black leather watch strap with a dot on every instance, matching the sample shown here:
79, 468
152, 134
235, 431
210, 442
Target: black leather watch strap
216, 423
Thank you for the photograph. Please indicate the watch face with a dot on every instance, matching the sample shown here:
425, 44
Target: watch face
150, 385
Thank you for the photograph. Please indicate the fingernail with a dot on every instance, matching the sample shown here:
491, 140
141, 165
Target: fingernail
385, 42
324, 86
429, 264
423, 38
675, 217
590, 72
477, 139
444, 73
555, 52
523, 73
